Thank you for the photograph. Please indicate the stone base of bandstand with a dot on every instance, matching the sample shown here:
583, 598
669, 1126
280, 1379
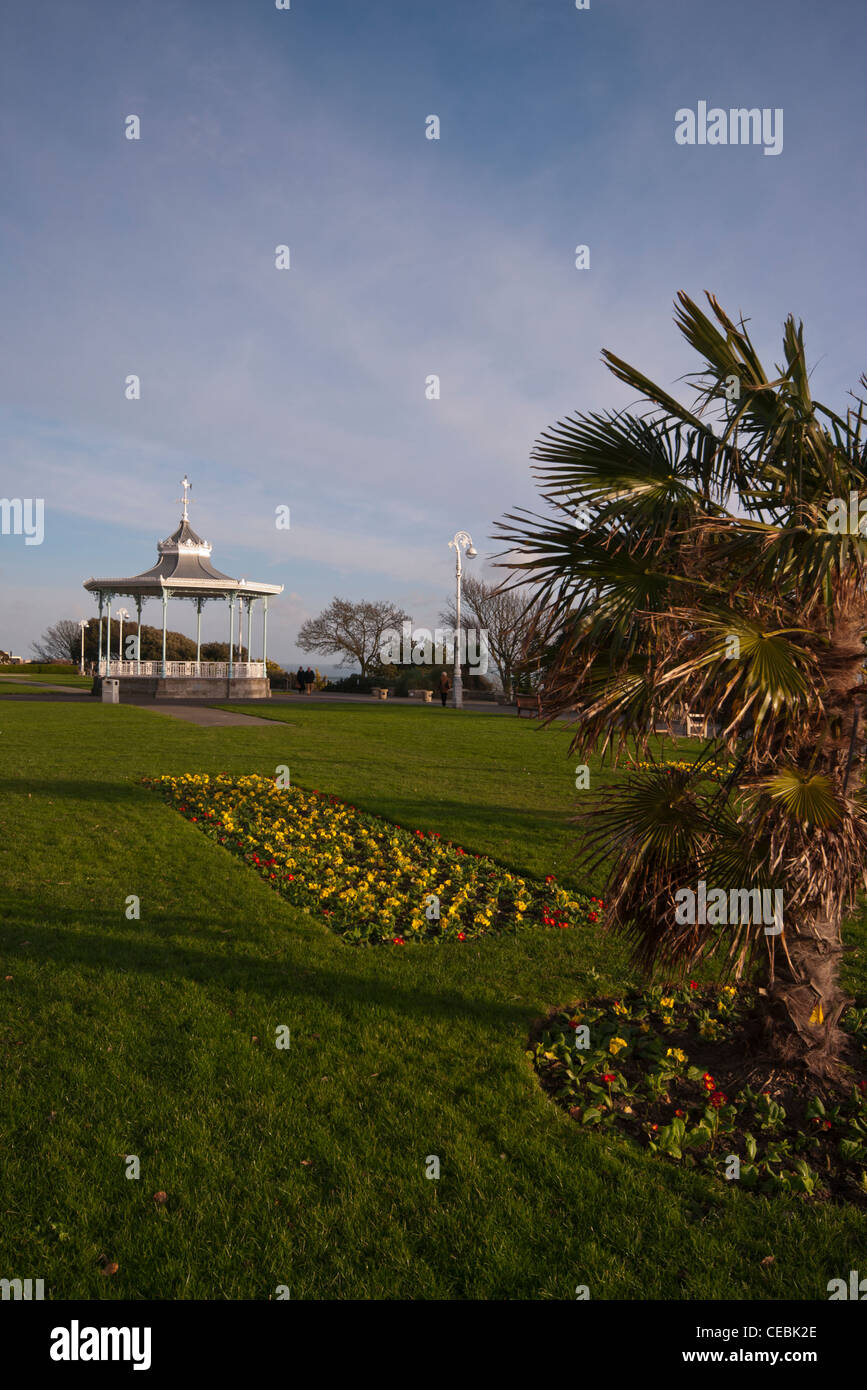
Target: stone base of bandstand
189, 687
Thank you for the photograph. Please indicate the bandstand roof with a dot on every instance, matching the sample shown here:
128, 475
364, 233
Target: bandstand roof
184, 570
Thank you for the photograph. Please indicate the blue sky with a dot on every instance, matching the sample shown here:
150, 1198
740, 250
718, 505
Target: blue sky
409, 257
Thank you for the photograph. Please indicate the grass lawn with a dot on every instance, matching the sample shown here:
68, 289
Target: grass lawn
77, 682
305, 1166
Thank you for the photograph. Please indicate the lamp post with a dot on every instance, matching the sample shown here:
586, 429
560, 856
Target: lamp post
462, 538
83, 624
121, 613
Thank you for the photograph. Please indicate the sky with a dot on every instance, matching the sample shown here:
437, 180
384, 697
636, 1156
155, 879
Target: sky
409, 257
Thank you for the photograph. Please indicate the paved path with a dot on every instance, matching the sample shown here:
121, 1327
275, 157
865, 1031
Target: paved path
209, 718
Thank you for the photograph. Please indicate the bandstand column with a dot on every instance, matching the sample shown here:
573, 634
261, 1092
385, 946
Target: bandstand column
165, 606
99, 650
249, 629
199, 603
231, 634
138, 637
265, 634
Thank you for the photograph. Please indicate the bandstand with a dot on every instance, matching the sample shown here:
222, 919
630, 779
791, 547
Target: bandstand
184, 571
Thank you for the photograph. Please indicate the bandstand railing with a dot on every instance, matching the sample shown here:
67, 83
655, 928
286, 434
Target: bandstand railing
211, 669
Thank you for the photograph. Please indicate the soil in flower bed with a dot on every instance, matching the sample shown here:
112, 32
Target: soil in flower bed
372, 881
676, 1070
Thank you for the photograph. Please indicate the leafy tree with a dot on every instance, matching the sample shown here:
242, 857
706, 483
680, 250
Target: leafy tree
219, 651
693, 559
352, 631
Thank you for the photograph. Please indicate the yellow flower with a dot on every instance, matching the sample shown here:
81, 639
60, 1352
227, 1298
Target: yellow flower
666, 1003
676, 1053
616, 1045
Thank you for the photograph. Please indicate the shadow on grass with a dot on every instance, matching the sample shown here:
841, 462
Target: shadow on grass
79, 790
102, 946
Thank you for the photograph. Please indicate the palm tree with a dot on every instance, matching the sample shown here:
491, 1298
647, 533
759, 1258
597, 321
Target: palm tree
692, 557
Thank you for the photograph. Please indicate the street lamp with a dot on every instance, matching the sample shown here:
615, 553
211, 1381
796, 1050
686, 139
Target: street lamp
462, 538
83, 623
121, 613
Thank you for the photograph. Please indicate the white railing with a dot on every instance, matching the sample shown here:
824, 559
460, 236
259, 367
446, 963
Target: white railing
211, 669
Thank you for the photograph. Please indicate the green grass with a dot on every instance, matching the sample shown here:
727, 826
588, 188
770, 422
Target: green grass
135, 1037
37, 680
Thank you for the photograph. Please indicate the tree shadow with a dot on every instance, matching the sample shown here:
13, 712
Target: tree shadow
106, 945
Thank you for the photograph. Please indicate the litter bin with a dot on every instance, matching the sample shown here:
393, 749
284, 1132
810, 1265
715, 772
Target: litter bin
110, 690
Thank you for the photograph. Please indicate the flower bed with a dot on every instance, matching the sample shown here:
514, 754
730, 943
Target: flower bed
373, 881
667, 1067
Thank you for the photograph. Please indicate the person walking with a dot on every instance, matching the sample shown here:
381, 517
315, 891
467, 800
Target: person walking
445, 686
299, 679
310, 679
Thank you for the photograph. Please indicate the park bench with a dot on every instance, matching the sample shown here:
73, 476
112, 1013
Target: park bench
696, 725
531, 703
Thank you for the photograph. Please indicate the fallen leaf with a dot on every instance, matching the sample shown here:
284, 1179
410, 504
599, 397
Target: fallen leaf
161, 1198
307, 1162
768, 1260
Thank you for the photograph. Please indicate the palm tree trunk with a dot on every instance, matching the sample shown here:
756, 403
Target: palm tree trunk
804, 1000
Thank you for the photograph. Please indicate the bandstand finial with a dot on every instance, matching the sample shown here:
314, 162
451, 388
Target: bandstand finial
188, 487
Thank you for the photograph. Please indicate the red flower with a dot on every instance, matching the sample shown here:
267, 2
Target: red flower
608, 1076
397, 941
573, 1023
693, 984
717, 1099
593, 917
549, 878
462, 936
680, 1114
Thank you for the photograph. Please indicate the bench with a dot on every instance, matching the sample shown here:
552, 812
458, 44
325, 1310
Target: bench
422, 694
381, 692
696, 725
531, 703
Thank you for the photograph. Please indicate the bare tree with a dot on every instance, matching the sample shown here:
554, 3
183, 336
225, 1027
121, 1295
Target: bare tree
62, 642
508, 615
354, 631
